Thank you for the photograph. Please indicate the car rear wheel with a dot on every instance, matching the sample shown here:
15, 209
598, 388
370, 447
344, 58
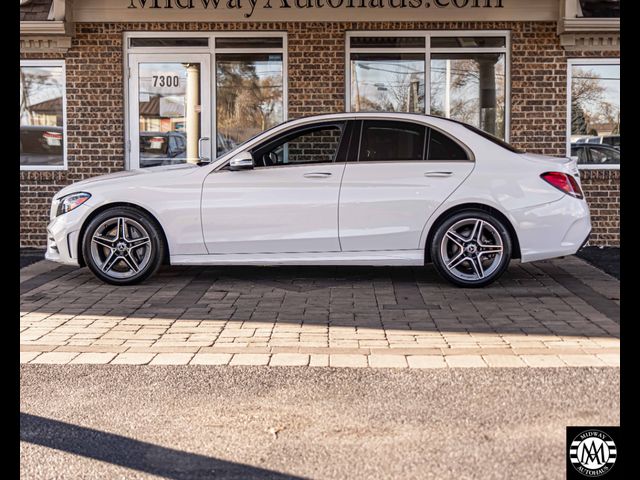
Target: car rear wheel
471, 248
123, 246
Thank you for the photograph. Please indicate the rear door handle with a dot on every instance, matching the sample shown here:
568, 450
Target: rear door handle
438, 174
317, 175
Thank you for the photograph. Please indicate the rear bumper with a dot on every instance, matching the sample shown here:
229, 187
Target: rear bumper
552, 230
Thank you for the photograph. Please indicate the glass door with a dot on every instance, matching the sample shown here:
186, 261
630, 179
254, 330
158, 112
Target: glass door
169, 113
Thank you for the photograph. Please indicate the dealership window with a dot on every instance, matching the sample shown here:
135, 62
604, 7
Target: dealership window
593, 112
458, 75
42, 115
193, 98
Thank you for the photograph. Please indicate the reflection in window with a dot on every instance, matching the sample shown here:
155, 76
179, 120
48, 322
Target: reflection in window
470, 87
169, 109
387, 82
41, 116
318, 145
595, 106
391, 141
249, 96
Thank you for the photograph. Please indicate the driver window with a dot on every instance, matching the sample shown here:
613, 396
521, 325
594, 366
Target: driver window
311, 145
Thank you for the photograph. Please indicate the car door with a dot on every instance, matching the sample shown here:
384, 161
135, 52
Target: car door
288, 203
402, 173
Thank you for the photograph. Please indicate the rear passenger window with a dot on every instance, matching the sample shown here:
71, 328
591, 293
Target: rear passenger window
442, 147
384, 140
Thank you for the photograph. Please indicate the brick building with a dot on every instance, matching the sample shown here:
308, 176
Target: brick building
108, 85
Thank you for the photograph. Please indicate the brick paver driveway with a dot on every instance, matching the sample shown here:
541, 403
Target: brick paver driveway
552, 313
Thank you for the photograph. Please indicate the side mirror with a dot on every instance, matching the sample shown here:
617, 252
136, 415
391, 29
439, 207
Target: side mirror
241, 161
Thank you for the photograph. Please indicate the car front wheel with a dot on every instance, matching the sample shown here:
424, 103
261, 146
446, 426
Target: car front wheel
471, 249
123, 246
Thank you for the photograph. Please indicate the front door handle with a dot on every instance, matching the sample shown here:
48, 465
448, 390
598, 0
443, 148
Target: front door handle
317, 175
438, 174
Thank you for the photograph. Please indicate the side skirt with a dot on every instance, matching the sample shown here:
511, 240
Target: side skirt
387, 257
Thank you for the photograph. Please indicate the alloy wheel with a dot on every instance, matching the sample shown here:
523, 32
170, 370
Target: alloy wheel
472, 249
121, 247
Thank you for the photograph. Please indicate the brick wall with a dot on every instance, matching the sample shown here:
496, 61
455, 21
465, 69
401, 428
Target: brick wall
95, 105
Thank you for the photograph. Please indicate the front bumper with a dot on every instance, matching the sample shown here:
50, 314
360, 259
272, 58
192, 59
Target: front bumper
63, 234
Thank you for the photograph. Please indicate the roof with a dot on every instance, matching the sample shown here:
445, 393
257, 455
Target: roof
35, 10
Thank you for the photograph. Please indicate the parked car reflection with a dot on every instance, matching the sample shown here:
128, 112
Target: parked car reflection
162, 148
41, 145
595, 154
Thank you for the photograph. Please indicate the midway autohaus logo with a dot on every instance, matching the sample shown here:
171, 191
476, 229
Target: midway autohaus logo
250, 6
592, 452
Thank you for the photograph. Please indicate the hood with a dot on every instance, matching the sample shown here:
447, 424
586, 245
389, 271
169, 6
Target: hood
119, 176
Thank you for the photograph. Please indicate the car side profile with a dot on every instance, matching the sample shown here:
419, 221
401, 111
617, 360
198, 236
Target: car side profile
339, 189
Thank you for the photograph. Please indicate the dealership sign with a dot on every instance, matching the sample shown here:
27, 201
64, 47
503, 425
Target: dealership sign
249, 7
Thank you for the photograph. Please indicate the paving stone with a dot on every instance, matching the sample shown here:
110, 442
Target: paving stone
426, 361
26, 357
211, 359
465, 361
387, 361
171, 359
289, 359
543, 361
94, 357
347, 360
129, 358
55, 357
250, 359
582, 360
495, 360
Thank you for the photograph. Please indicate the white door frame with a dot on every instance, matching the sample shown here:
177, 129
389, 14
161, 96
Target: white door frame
133, 124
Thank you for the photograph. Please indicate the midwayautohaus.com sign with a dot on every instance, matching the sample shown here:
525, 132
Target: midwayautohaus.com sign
250, 6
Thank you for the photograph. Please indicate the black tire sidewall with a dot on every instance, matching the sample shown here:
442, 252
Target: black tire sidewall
441, 231
155, 235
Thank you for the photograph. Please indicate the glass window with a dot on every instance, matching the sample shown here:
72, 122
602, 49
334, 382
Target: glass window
169, 112
391, 82
595, 105
249, 96
465, 81
442, 147
603, 155
470, 87
384, 140
249, 42
42, 116
169, 42
581, 153
310, 145
467, 42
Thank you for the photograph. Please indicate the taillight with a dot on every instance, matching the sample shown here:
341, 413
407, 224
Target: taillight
563, 182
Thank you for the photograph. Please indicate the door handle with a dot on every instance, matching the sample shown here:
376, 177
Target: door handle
317, 175
438, 174
200, 157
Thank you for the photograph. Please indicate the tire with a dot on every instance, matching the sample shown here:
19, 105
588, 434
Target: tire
467, 258
112, 256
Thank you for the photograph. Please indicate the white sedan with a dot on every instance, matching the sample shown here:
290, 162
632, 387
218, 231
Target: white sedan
340, 189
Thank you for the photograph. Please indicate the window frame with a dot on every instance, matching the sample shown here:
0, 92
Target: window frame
52, 63
427, 51
211, 50
571, 62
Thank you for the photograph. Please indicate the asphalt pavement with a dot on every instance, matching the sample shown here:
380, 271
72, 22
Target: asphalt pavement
191, 422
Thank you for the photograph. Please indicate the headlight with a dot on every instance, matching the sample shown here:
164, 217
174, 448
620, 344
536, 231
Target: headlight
72, 201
